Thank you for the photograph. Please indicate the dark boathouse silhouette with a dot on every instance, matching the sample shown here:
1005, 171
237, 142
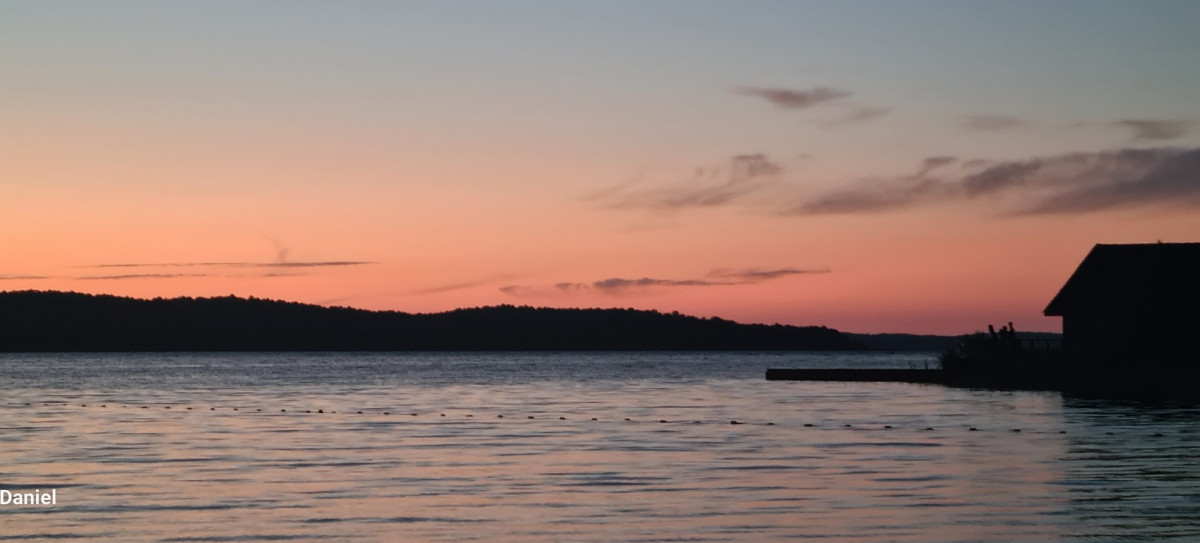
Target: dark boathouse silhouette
1132, 301
1131, 320
1131, 325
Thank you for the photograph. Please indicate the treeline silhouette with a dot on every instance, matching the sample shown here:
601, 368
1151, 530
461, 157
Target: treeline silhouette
52, 321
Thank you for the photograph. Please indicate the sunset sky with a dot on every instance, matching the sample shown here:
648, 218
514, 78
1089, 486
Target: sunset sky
913, 166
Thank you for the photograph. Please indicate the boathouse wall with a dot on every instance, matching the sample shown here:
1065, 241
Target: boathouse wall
1136, 305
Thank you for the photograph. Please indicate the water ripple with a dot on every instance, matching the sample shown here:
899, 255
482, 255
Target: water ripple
311, 453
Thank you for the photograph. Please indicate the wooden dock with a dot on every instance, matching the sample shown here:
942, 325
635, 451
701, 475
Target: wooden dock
858, 375
1013, 376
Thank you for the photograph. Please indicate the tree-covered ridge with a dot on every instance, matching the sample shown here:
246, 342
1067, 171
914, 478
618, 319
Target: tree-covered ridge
68, 321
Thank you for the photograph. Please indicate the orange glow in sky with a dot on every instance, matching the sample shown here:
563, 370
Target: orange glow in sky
821, 164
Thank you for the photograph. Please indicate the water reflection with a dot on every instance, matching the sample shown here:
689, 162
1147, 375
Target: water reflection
1131, 471
431, 458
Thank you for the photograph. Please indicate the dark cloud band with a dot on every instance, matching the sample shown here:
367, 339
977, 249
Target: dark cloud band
1058, 184
795, 99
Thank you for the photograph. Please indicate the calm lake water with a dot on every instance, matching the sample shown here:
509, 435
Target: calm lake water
572, 447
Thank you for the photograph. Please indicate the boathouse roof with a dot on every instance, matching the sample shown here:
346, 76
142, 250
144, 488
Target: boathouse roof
1137, 278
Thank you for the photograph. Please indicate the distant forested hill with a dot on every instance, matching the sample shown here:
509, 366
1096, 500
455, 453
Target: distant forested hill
68, 321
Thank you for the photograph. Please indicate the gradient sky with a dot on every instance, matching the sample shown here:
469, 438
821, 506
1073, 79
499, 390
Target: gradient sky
918, 166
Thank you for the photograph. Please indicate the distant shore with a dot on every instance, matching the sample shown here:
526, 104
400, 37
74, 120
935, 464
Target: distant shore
53, 321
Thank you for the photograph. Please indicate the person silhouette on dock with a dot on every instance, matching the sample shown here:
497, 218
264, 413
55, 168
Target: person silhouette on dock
1008, 337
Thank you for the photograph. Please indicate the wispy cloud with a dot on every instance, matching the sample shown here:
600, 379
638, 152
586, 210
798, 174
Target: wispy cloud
622, 286
754, 275
882, 194
314, 264
23, 277
744, 174
520, 291
860, 113
991, 122
795, 99
164, 270
933, 163
1131, 178
1155, 130
613, 286
820, 96
139, 276
1057, 184
462, 285
852, 114
874, 195
325, 264
618, 285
